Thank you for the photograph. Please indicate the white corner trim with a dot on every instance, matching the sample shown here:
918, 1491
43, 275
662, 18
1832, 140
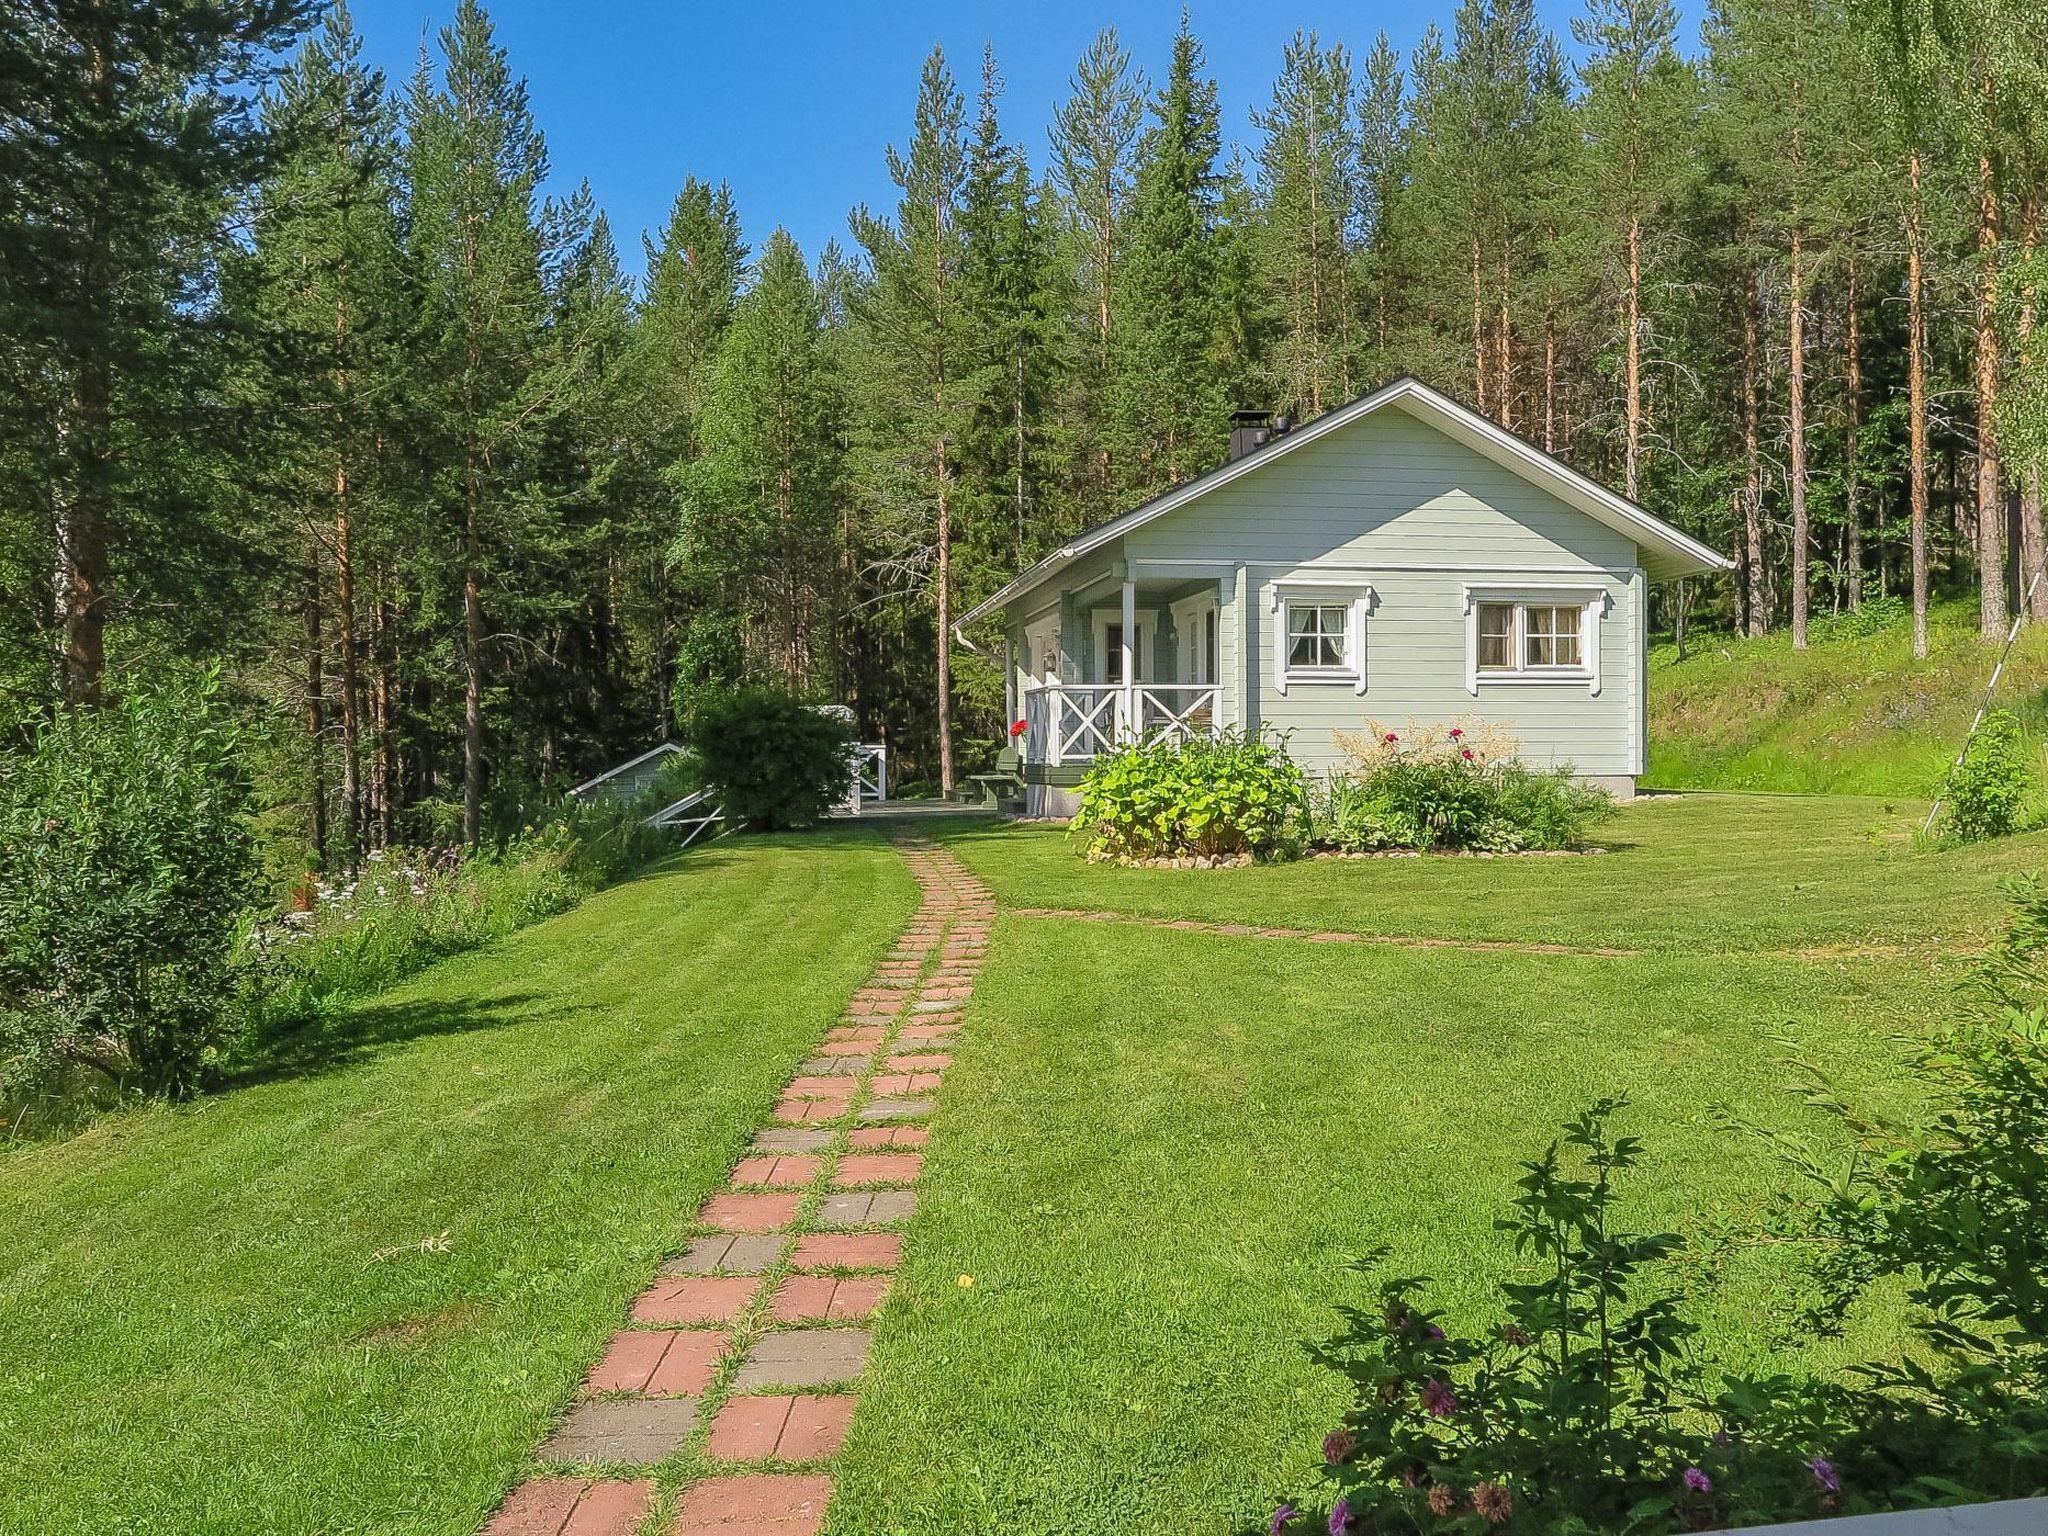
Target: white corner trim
1322, 588
1594, 603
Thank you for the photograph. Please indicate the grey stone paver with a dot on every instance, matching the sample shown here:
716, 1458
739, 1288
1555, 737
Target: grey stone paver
872, 1210
638, 1431
804, 1357
727, 1254
896, 1109
939, 1006
787, 1139
835, 1066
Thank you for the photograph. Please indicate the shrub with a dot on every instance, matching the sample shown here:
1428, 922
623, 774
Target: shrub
126, 862
1875, 615
1450, 788
1987, 791
1232, 794
775, 761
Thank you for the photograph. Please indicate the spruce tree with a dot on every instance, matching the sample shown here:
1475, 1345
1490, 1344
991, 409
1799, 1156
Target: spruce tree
761, 506
915, 350
1167, 393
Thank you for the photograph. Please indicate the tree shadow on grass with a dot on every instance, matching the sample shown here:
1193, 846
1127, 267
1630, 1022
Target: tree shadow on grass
353, 1035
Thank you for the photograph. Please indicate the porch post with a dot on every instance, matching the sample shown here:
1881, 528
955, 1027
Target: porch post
1130, 691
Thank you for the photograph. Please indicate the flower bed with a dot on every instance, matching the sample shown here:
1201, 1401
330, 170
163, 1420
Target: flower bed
1459, 788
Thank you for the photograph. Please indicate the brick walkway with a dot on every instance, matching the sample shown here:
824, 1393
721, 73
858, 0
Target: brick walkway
740, 1361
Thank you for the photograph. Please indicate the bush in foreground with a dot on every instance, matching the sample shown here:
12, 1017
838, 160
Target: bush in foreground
126, 863
775, 761
1234, 794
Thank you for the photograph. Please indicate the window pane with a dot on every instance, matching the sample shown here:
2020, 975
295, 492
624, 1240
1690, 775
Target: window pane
1113, 643
1553, 635
1316, 634
1496, 637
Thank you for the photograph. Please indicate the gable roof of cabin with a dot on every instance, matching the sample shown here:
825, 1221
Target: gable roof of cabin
1667, 553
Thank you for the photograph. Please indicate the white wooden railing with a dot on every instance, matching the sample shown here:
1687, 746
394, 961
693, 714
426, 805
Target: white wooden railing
870, 776
1076, 722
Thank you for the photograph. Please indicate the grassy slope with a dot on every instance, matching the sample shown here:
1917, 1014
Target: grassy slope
1158, 1149
229, 1317
1853, 716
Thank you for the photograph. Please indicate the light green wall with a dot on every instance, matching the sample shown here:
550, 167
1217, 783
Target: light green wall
1416, 515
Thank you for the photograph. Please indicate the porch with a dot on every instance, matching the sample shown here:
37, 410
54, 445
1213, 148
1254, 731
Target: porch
1125, 657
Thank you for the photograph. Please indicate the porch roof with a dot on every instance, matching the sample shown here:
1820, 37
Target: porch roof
1667, 553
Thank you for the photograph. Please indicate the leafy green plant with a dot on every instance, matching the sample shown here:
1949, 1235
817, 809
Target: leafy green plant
1441, 793
1231, 794
126, 863
1987, 791
1875, 615
774, 760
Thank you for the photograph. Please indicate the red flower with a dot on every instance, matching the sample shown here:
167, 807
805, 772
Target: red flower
1456, 732
1466, 753
1392, 738
1018, 727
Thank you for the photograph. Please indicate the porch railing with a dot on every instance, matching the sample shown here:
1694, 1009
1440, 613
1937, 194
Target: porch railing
1076, 722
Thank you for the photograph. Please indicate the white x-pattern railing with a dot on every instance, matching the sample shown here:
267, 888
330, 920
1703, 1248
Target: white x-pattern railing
1077, 722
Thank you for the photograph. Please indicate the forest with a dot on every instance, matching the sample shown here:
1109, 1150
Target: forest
304, 379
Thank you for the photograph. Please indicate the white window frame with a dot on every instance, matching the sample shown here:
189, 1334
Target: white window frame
1593, 604
1358, 597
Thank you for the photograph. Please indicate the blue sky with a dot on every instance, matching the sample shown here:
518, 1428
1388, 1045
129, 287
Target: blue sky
793, 104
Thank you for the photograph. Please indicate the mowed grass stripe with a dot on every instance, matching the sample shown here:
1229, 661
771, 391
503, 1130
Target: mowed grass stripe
198, 1330
1178, 1143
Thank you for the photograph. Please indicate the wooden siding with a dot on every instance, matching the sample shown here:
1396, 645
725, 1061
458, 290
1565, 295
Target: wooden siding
1401, 507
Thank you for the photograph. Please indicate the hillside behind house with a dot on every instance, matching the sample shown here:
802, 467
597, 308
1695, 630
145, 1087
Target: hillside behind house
1852, 714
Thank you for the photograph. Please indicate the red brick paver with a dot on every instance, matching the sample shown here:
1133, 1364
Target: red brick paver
849, 1250
696, 1299
749, 1213
764, 1504
780, 1428
826, 1298
573, 1506
858, 1169
659, 1362
790, 1172
890, 1136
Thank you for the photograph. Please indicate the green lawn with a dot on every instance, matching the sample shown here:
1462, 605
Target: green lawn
352, 1297
1689, 873
1158, 1149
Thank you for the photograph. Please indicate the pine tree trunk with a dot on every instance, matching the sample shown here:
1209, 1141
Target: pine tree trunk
2033, 532
1752, 481
385, 787
348, 680
1802, 530
945, 605
316, 719
1478, 331
1916, 394
472, 673
1632, 322
1504, 353
1550, 373
1852, 425
1991, 604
